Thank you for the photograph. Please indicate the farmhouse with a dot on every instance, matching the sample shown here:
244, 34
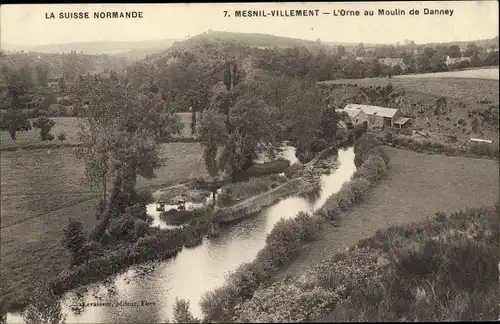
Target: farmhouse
378, 116
355, 116
455, 60
392, 62
52, 82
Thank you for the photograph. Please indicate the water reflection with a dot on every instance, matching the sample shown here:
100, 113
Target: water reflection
194, 271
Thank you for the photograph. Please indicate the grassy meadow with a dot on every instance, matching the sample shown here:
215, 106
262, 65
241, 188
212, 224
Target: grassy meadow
485, 73
41, 190
69, 125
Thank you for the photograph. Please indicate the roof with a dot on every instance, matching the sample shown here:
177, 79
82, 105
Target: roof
480, 140
401, 120
391, 61
342, 124
372, 110
351, 113
453, 60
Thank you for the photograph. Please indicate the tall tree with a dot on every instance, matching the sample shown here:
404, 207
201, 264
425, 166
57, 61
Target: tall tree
42, 74
454, 51
118, 140
360, 49
14, 119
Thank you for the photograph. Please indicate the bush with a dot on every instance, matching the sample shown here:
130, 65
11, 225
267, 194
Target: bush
44, 307
318, 145
74, 240
358, 188
141, 228
182, 313
122, 228
284, 240
144, 197
277, 166
483, 149
61, 136
286, 303
372, 170
45, 124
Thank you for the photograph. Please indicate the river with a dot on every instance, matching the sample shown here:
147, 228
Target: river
146, 293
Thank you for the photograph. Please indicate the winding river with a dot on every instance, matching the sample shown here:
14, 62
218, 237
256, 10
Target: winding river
146, 293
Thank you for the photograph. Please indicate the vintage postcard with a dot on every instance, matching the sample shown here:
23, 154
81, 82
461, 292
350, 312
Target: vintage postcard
249, 162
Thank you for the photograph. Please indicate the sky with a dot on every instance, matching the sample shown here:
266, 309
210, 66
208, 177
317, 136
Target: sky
471, 20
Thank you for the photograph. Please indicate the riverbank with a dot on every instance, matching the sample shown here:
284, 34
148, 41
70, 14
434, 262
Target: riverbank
288, 236
416, 188
405, 272
119, 260
253, 205
409, 193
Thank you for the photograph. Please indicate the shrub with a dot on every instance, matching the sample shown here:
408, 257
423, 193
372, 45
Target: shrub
330, 209
309, 226
284, 240
182, 313
144, 196
44, 307
286, 303
358, 188
61, 136
318, 145
380, 152
141, 228
45, 124
276, 166
372, 170
74, 240
483, 149
92, 250
122, 228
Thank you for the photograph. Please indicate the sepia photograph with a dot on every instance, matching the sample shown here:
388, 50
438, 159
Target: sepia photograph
249, 162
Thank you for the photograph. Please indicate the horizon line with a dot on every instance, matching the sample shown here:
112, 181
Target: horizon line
221, 31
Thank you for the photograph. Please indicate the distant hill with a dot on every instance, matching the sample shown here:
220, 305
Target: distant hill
101, 47
484, 43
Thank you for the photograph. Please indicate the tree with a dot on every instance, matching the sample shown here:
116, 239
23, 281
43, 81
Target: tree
341, 50
476, 124
14, 119
182, 313
213, 133
328, 123
44, 308
472, 49
45, 124
117, 140
42, 74
74, 240
61, 136
360, 49
454, 51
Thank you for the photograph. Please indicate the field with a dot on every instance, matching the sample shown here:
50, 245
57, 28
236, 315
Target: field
463, 97
41, 190
418, 185
69, 125
490, 73
455, 88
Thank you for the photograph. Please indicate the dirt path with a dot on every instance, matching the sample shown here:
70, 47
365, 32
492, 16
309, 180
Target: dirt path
418, 185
